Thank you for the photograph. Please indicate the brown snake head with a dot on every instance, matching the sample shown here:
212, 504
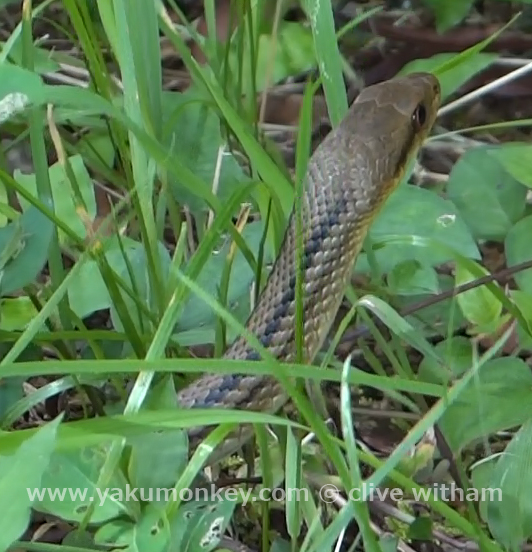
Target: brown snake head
382, 132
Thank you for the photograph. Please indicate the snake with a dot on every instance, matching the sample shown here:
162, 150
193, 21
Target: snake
348, 179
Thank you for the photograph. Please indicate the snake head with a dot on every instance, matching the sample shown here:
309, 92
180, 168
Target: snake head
379, 137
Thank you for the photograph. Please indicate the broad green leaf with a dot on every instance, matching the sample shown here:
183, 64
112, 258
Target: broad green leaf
517, 249
87, 291
421, 529
71, 480
481, 478
515, 158
510, 519
415, 211
23, 249
438, 318
488, 198
479, 305
97, 147
157, 459
387, 543
504, 382
136, 276
20, 481
196, 313
448, 13
198, 147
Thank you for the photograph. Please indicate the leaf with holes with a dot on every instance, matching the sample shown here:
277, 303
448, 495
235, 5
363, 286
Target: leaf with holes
150, 532
199, 525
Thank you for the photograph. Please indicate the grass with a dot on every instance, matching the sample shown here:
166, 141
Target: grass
190, 230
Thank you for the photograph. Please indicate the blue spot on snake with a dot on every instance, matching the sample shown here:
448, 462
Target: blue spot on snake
216, 396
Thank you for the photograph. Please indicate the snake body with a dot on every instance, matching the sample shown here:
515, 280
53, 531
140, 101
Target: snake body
348, 179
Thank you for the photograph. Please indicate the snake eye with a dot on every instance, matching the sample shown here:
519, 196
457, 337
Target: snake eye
419, 116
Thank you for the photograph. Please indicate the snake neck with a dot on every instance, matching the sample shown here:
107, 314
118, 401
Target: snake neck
334, 220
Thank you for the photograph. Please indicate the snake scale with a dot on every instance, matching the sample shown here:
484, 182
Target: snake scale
348, 179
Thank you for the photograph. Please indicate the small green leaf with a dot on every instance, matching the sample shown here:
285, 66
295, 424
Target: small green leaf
65, 202
87, 291
439, 317
410, 277
389, 542
294, 54
479, 305
523, 302
11, 391
136, 276
517, 249
448, 13
196, 313
17, 313
421, 529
